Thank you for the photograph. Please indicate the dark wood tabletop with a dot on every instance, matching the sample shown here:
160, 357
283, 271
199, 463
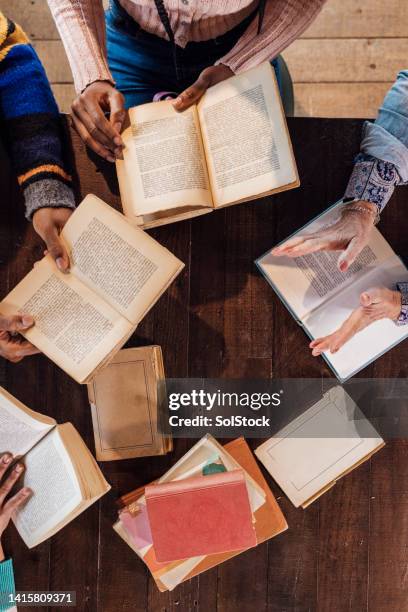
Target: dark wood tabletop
347, 551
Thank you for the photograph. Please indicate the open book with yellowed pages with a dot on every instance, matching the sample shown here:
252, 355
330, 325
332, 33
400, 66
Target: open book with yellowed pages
129, 406
316, 449
117, 274
60, 470
232, 147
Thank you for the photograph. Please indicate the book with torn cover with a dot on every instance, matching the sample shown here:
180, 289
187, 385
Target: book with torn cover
316, 449
60, 470
268, 518
117, 274
129, 406
201, 515
321, 298
232, 147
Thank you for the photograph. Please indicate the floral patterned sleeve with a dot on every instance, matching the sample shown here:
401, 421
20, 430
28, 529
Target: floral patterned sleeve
373, 180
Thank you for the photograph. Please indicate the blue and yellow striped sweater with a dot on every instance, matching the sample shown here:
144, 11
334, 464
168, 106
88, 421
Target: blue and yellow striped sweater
30, 125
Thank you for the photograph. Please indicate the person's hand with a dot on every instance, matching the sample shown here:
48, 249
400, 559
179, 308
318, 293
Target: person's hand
349, 234
13, 346
48, 223
102, 135
375, 304
9, 505
210, 76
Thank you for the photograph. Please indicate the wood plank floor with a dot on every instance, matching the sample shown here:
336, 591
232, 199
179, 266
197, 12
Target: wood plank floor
342, 66
346, 552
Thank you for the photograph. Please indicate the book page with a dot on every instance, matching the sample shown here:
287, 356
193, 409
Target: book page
118, 261
164, 159
319, 446
304, 283
247, 145
49, 473
20, 427
372, 341
73, 326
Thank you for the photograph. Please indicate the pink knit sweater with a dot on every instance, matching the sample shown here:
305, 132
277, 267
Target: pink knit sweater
82, 29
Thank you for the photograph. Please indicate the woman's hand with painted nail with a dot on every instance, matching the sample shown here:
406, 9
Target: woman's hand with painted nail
9, 502
349, 234
375, 304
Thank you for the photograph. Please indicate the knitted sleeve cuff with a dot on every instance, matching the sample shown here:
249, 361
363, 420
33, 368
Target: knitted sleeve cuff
47, 193
7, 585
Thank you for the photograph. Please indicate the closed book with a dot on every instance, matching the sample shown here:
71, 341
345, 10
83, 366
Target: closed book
200, 516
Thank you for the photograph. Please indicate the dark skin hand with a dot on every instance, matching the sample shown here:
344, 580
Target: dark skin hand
13, 346
48, 223
210, 76
101, 134
9, 505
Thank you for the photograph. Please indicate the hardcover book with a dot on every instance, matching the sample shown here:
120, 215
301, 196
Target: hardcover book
129, 407
321, 298
233, 146
268, 518
201, 515
327, 441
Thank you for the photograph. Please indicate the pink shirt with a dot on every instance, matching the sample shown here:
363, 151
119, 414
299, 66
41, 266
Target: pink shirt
82, 28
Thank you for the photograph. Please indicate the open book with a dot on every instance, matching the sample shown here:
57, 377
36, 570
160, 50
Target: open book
233, 146
129, 406
321, 298
60, 470
117, 273
329, 440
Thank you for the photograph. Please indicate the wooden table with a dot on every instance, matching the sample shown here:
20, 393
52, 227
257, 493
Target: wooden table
348, 551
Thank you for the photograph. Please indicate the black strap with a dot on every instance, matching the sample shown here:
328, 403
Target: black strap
164, 18
261, 14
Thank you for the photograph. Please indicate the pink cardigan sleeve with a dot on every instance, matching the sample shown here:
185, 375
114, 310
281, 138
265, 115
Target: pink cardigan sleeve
284, 21
81, 24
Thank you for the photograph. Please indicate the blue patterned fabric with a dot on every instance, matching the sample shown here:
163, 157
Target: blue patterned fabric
373, 180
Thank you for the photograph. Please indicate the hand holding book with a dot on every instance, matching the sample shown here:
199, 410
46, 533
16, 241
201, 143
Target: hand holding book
375, 304
10, 503
349, 234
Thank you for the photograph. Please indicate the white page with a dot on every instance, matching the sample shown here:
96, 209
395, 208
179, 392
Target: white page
248, 148
318, 446
56, 490
19, 431
304, 283
372, 341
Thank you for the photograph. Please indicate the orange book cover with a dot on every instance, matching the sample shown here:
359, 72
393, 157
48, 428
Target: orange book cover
269, 518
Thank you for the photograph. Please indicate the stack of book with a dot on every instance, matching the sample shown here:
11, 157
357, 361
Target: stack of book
211, 505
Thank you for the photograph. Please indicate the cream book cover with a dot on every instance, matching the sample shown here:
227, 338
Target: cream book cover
129, 406
320, 446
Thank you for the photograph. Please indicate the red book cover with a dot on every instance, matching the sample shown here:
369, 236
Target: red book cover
200, 516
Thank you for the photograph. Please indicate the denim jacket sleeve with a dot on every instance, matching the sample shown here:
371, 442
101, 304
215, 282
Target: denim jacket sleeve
383, 160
